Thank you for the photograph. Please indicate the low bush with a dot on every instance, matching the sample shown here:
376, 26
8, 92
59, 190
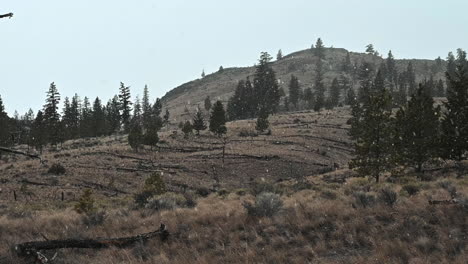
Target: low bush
94, 218
411, 188
388, 196
247, 133
266, 204
166, 201
363, 199
57, 169
86, 203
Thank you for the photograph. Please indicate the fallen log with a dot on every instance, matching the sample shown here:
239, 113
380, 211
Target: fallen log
32, 249
17, 152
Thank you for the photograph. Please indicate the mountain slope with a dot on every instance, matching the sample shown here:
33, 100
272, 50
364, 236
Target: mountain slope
182, 101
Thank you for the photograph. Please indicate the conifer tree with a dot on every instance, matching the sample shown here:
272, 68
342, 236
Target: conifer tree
4, 126
286, 103
347, 66
440, 88
51, 115
67, 118
155, 124
319, 50
373, 132
135, 136
218, 119
334, 94
137, 112
85, 119
279, 56
411, 79
74, 118
266, 85
238, 105
417, 130
166, 117
199, 122
455, 119
319, 87
294, 91
187, 129
125, 106
262, 123
38, 132
207, 103
350, 97
309, 98
113, 115
146, 108
203, 73
370, 49
392, 73
98, 119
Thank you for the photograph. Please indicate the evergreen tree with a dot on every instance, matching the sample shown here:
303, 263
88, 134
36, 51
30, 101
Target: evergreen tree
238, 107
309, 98
373, 132
146, 108
74, 118
218, 119
125, 106
98, 119
4, 126
417, 130
166, 117
319, 87
266, 85
279, 56
319, 50
38, 132
440, 88
85, 119
221, 69
199, 122
350, 97
294, 91
455, 119
334, 94
262, 123
207, 103
203, 73
135, 136
51, 115
401, 95
411, 79
67, 118
137, 112
113, 115
286, 104
392, 73
370, 49
187, 129
155, 124
347, 66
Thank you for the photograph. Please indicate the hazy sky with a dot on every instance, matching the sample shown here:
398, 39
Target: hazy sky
88, 47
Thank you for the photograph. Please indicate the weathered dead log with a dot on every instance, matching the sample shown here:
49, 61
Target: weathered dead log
32, 249
17, 152
443, 202
9, 15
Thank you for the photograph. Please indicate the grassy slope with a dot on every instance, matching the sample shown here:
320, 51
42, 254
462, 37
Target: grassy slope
321, 221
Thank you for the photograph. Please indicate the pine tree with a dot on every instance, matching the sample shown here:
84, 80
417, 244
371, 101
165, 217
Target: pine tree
350, 97
203, 73
199, 122
135, 136
74, 118
238, 107
207, 103
262, 123
146, 108
98, 119
155, 123
401, 95
373, 133
279, 56
187, 129
51, 115
218, 119
67, 118
319, 87
38, 133
440, 88
319, 50
334, 94
455, 119
347, 66
113, 115
137, 112
4, 126
411, 79
221, 69
286, 104
417, 130
309, 98
391, 71
85, 119
266, 85
294, 90
370, 49
125, 106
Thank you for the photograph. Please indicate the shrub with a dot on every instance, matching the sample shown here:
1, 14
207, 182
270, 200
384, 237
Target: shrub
328, 194
449, 187
203, 191
259, 187
166, 201
94, 218
141, 198
411, 188
86, 202
363, 199
266, 204
57, 169
155, 184
388, 196
247, 133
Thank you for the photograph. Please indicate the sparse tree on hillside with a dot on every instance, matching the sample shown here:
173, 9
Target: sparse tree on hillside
294, 91
309, 98
262, 123
51, 115
455, 119
4, 126
207, 103
350, 97
417, 130
319, 50
347, 66
187, 129
113, 115
135, 136
372, 131
98, 119
266, 85
370, 49
166, 117
218, 119
279, 56
125, 106
146, 108
85, 118
203, 73
38, 132
334, 94
319, 87
199, 122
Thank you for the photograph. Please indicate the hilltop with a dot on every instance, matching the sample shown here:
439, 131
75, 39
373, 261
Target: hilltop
221, 85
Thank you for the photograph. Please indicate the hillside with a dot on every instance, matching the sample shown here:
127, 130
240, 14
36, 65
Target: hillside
221, 85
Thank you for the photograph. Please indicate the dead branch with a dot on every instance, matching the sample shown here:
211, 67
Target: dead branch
9, 15
17, 152
32, 249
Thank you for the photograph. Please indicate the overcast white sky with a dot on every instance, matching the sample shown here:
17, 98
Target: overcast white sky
88, 47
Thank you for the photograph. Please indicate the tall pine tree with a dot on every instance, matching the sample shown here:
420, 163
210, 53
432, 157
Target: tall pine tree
125, 106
